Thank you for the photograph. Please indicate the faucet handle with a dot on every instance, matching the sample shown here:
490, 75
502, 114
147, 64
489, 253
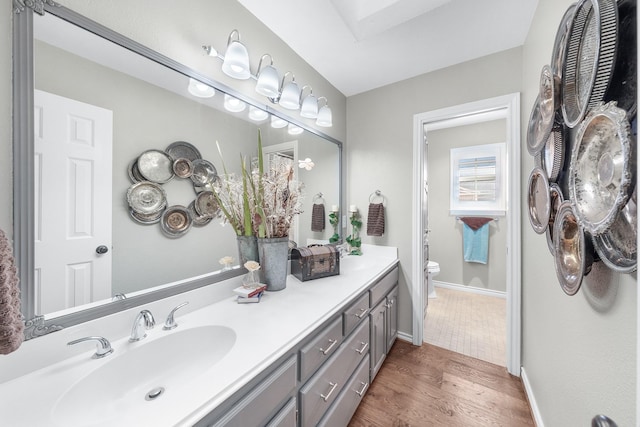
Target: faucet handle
103, 346
143, 322
170, 323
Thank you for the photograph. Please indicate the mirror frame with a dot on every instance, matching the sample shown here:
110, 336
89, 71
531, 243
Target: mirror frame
23, 165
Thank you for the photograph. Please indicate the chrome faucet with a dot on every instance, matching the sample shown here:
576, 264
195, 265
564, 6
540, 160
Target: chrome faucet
103, 346
143, 322
170, 323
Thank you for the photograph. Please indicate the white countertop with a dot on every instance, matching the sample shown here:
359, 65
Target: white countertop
264, 332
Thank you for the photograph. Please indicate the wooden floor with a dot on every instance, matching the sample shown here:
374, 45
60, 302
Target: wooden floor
468, 323
431, 386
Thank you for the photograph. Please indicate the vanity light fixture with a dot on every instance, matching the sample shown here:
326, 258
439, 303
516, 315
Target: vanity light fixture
324, 114
233, 104
277, 122
290, 96
236, 58
309, 108
199, 89
268, 79
256, 114
294, 130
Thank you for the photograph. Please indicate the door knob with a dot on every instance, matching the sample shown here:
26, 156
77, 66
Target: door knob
102, 249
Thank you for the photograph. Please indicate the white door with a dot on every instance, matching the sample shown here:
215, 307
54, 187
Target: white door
73, 143
425, 221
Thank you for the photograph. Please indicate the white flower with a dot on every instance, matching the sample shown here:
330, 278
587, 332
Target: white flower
251, 265
226, 260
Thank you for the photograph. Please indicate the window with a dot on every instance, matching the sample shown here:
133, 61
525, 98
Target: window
477, 180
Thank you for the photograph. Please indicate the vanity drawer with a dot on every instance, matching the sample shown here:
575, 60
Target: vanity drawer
355, 313
259, 404
323, 388
349, 399
382, 288
320, 349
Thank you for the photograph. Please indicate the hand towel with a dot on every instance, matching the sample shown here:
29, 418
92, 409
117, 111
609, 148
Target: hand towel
375, 219
317, 217
475, 222
11, 326
475, 243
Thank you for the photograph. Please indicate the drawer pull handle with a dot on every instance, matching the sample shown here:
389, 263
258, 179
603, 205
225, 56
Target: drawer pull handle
333, 387
364, 388
389, 304
363, 311
333, 342
365, 345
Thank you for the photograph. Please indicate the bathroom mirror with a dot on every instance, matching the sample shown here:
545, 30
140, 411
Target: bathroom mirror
115, 94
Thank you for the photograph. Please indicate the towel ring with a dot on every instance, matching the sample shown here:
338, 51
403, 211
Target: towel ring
377, 194
317, 197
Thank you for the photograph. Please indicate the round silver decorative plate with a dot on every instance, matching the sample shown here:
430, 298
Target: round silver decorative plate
590, 54
146, 198
198, 220
538, 200
206, 204
175, 221
538, 129
156, 166
183, 168
134, 173
602, 168
203, 172
553, 152
146, 219
617, 247
555, 200
183, 150
573, 251
560, 43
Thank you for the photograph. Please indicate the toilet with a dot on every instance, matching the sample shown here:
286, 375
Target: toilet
433, 268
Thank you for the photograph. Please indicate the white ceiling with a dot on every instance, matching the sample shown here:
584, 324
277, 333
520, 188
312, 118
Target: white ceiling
359, 45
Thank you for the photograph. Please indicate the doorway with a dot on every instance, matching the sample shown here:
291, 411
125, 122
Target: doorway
504, 107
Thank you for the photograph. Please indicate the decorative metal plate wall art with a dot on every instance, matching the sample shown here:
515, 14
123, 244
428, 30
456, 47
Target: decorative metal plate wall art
147, 198
586, 157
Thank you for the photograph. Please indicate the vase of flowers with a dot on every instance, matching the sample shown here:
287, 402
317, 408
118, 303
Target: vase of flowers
260, 206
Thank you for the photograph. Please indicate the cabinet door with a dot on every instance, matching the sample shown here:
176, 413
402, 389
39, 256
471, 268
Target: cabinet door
378, 337
392, 318
286, 417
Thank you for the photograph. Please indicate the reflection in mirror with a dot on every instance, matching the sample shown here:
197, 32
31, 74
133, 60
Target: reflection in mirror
98, 107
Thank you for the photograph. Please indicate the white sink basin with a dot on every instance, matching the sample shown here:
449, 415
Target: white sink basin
142, 376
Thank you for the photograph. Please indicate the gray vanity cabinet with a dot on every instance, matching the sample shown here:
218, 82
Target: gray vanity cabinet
384, 319
378, 337
391, 327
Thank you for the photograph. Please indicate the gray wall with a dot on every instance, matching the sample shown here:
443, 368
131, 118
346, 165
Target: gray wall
445, 239
380, 148
580, 361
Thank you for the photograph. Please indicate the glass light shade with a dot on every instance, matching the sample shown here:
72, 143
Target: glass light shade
309, 107
257, 114
324, 117
290, 98
268, 82
277, 122
236, 61
199, 89
294, 130
233, 104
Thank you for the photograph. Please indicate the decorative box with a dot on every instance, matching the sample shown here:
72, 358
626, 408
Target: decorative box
315, 261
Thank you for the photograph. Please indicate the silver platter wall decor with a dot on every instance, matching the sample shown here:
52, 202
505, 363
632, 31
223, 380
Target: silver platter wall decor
555, 200
549, 91
589, 58
183, 150
573, 250
602, 169
156, 166
538, 200
146, 198
176, 221
539, 128
618, 247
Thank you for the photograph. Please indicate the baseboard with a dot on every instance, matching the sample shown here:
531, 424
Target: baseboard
535, 411
405, 337
470, 289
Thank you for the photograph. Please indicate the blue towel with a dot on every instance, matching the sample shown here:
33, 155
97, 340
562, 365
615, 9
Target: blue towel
475, 243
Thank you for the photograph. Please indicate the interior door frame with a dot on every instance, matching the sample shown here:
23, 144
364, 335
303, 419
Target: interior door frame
508, 107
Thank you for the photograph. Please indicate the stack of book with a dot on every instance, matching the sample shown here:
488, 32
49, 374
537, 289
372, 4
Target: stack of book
249, 293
